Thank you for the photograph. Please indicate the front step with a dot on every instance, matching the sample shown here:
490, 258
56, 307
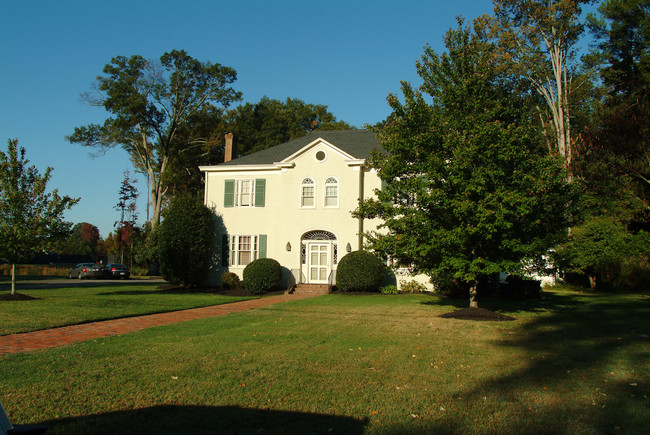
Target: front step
319, 289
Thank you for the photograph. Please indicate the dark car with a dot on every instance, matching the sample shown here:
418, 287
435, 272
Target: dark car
86, 270
118, 271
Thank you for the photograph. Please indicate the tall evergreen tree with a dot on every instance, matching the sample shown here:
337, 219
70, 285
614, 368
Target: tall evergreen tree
620, 138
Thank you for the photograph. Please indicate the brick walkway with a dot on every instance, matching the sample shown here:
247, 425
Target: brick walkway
29, 341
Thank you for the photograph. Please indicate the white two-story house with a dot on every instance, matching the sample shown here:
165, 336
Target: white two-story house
293, 203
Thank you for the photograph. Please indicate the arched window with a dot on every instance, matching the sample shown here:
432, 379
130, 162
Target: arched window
331, 192
308, 193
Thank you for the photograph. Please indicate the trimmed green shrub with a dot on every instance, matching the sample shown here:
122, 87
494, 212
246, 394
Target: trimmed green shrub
413, 287
262, 275
360, 271
230, 280
389, 290
184, 241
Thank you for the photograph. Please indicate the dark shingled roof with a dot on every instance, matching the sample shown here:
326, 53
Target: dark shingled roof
357, 143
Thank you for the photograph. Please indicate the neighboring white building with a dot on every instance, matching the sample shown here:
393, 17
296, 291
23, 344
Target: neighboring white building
293, 203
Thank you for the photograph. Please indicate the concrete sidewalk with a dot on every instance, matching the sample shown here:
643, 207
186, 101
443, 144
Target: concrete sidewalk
29, 341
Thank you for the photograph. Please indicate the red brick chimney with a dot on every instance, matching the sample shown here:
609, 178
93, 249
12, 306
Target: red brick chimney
228, 153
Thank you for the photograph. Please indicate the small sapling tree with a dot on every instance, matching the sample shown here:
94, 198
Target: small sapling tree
31, 219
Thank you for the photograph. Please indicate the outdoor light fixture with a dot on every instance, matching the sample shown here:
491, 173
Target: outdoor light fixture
288, 246
348, 248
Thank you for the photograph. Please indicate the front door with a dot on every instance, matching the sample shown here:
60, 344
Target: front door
318, 256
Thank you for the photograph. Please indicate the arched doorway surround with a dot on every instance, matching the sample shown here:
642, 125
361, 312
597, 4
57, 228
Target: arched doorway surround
319, 256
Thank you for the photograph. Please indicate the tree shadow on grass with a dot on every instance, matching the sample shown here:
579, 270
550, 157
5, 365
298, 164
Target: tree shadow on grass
172, 291
588, 368
175, 419
548, 301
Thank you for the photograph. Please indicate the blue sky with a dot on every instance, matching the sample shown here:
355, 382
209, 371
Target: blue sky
347, 55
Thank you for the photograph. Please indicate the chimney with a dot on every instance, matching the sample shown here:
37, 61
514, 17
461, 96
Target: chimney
228, 153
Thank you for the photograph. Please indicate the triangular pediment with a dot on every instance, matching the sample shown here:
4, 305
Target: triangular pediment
314, 144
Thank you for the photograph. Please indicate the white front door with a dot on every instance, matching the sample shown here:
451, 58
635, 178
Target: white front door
318, 255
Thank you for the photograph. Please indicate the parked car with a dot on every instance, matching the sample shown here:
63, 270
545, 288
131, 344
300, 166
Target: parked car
86, 270
114, 270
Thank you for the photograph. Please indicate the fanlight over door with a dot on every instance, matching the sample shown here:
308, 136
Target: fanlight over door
319, 255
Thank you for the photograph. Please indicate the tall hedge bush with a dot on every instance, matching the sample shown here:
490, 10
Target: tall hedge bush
360, 271
262, 275
184, 241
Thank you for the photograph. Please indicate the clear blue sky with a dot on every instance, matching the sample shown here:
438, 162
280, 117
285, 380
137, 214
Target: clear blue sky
347, 55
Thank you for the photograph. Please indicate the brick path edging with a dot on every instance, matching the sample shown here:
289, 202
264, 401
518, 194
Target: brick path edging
29, 341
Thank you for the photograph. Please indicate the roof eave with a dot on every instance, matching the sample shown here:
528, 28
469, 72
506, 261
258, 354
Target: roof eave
237, 168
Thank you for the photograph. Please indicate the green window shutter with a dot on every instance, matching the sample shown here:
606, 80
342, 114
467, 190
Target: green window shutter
262, 246
384, 184
260, 192
229, 194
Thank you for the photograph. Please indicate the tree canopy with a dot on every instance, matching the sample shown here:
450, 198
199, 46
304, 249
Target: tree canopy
537, 40
31, 218
469, 188
83, 239
621, 127
271, 122
150, 103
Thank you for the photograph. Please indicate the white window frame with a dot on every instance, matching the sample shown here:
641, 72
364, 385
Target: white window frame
239, 193
335, 184
235, 251
307, 181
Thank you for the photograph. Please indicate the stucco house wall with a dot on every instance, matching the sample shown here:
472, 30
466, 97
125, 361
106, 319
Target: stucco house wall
306, 236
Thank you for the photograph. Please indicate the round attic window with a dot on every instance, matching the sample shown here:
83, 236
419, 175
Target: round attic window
320, 156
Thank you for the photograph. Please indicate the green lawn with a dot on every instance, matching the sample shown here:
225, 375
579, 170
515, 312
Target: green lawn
570, 363
66, 306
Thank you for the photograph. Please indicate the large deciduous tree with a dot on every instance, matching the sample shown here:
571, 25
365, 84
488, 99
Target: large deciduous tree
255, 126
84, 239
150, 103
469, 188
31, 219
537, 39
271, 122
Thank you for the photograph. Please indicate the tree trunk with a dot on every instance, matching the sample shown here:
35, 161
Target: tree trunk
13, 278
592, 282
473, 301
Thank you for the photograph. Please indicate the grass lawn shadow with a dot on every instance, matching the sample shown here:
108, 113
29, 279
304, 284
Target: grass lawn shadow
548, 301
175, 419
170, 291
580, 339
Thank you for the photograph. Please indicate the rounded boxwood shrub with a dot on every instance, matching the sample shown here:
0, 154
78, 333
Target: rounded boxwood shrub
262, 275
230, 281
360, 271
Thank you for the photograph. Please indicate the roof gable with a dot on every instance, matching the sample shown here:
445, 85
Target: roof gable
355, 144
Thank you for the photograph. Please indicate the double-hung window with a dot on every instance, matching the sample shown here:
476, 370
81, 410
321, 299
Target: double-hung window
245, 193
331, 192
245, 249
308, 193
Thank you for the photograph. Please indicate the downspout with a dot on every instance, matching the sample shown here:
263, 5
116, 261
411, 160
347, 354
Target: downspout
361, 189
